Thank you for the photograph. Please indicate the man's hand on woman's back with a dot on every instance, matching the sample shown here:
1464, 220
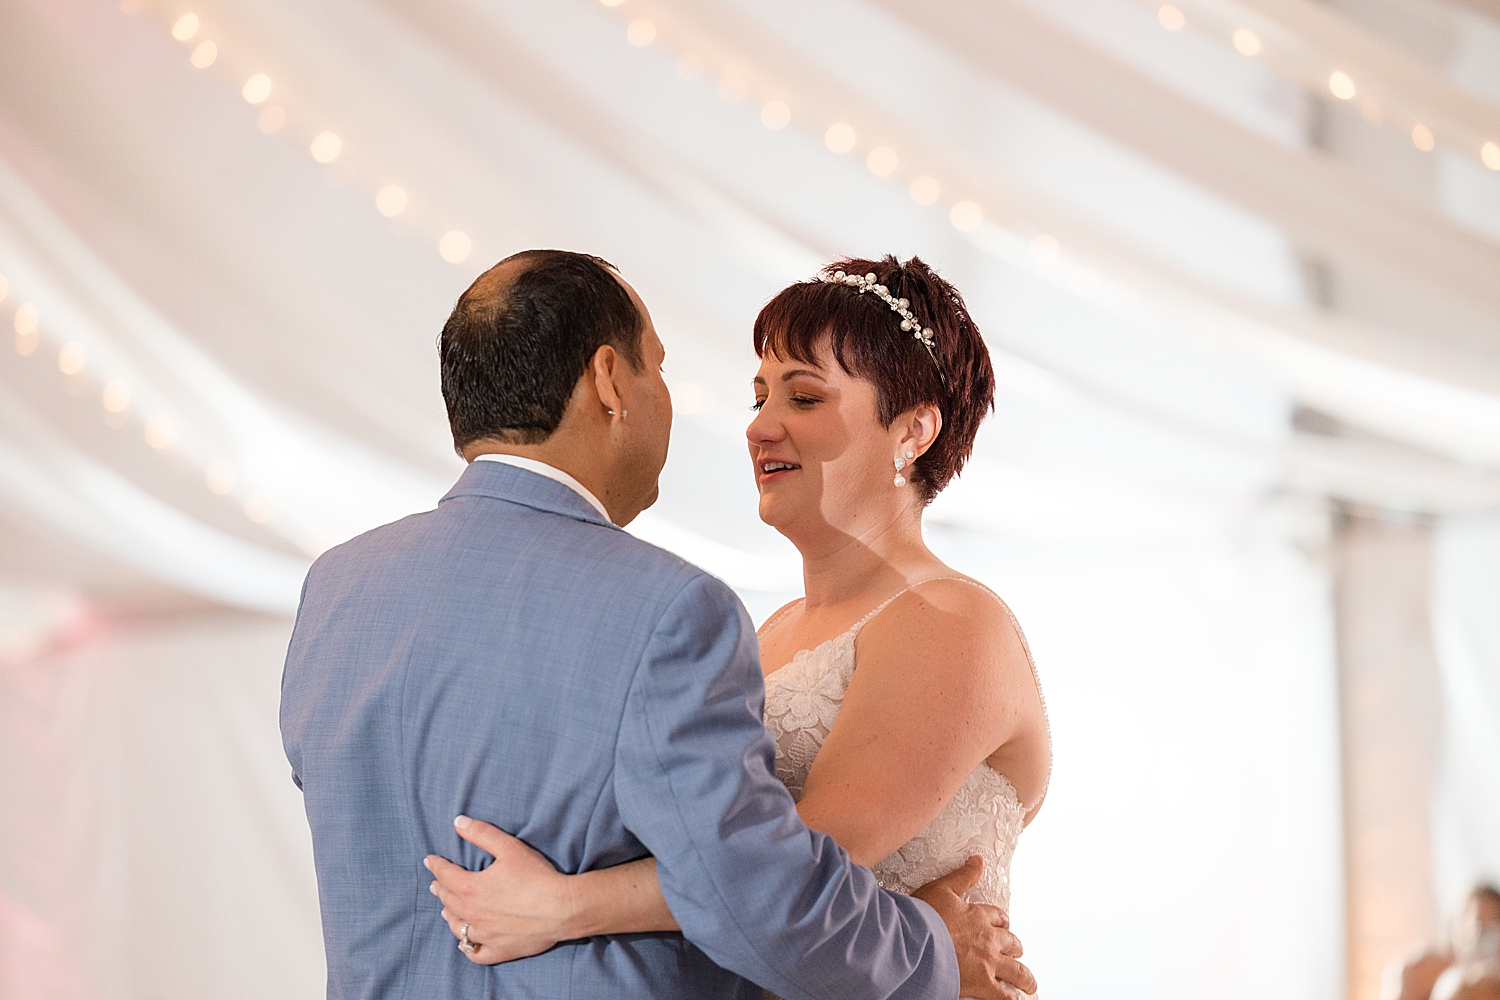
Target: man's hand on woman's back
989, 954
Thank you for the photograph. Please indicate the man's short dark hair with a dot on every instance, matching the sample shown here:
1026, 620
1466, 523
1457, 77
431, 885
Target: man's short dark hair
522, 336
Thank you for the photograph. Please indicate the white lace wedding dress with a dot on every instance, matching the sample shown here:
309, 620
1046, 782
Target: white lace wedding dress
985, 817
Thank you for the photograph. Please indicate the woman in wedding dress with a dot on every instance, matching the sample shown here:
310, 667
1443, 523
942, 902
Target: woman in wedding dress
908, 719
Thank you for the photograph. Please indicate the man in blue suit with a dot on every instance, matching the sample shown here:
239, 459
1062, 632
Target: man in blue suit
513, 655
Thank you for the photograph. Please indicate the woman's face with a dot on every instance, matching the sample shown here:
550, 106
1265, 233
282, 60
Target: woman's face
823, 462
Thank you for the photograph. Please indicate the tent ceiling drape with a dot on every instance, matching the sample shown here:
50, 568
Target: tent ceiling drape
1219, 296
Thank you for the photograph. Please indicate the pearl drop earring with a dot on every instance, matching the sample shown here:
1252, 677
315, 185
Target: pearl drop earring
900, 480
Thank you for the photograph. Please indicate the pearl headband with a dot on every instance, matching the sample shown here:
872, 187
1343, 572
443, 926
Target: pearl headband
867, 283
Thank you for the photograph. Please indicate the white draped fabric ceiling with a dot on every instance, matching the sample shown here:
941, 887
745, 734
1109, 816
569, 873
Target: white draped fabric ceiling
1238, 263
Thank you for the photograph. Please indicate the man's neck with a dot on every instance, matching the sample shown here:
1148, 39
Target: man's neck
562, 455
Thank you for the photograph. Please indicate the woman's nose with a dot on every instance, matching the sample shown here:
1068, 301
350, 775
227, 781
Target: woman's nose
764, 429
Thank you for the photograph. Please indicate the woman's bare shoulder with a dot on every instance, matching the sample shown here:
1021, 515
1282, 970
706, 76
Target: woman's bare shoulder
963, 606
955, 623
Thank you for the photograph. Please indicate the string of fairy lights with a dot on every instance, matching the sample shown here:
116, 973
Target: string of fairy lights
159, 431
191, 448
735, 83
1305, 70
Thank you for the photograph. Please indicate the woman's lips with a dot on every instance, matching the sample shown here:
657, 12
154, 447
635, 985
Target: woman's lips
763, 475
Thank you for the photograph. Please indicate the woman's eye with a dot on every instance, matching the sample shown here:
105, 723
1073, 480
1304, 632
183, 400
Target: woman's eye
805, 400
757, 404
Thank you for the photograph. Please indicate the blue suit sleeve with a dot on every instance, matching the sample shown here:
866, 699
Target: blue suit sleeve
760, 893
293, 756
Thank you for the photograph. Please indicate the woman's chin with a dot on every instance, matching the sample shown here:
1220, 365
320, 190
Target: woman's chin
773, 509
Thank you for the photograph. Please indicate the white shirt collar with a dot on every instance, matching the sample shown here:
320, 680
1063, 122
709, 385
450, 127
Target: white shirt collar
551, 472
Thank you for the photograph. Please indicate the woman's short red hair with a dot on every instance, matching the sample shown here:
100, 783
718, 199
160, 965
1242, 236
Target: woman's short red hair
866, 340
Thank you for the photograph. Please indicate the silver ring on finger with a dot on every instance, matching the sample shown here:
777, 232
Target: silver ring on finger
464, 944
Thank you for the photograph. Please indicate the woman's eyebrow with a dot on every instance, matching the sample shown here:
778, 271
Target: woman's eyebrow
788, 376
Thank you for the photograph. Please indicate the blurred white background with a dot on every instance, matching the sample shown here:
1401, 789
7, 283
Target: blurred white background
1238, 263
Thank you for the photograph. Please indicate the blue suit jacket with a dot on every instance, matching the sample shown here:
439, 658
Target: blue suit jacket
514, 657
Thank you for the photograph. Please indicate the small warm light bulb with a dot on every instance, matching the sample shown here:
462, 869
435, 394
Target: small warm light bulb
271, 119
26, 318
186, 27
204, 55
881, 161
1421, 137
1490, 154
965, 216
1341, 85
391, 201
1246, 42
27, 339
160, 433
775, 114
220, 477
257, 88
259, 508
326, 147
925, 190
1170, 17
611, 3
4, 287
455, 246
641, 33
71, 358
116, 396
1045, 249
839, 137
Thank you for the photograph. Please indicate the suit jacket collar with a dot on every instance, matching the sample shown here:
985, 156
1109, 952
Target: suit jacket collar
516, 485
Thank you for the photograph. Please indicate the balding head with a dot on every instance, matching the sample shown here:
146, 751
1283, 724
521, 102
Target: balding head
521, 337
489, 291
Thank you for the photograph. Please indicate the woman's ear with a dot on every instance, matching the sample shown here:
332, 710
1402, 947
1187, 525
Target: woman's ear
920, 428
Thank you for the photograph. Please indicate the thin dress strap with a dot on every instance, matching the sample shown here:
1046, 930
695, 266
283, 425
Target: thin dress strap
776, 618
1025, 647
887, 602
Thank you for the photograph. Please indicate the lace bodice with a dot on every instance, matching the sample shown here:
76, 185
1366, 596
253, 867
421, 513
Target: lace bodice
985, 817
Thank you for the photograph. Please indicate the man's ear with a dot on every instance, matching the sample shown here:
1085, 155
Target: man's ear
605, 366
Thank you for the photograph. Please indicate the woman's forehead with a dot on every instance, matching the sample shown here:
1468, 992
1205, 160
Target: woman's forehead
821, 363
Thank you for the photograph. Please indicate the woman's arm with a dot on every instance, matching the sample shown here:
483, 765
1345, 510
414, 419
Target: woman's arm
943, 682
520, 905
